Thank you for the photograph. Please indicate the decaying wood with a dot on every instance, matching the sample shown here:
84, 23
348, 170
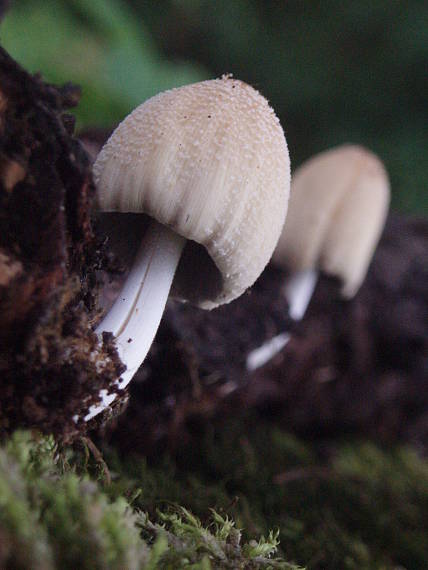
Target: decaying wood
49, 359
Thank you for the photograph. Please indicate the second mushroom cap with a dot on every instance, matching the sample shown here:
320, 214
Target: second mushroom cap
338, 206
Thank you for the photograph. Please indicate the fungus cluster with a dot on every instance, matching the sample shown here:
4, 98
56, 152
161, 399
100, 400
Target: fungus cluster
208, 164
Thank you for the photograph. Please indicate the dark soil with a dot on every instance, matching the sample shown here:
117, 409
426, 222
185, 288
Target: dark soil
357, 367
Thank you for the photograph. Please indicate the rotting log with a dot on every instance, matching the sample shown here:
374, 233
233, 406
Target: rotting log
50, 359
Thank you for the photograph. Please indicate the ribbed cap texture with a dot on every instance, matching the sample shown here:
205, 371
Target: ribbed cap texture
210, 161
338, 205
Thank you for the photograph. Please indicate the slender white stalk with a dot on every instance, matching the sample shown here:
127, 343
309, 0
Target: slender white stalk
135, 316
259, 356
299, 290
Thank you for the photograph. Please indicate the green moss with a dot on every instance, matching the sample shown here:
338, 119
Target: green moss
52, 515
54, 518
364, 508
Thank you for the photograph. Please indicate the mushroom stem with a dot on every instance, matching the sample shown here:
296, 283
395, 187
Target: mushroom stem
135, 316
259, 356
299, 290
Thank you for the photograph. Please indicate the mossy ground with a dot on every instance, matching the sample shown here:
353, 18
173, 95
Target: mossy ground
351, 506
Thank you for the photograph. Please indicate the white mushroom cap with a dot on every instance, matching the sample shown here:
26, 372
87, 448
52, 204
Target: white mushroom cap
338, 206
210, 161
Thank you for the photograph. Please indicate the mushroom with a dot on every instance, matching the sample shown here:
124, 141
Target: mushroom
209, 164
338, 205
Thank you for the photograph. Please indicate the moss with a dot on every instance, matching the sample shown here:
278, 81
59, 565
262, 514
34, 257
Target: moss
345, 506
58, 519
53, 515
351, 506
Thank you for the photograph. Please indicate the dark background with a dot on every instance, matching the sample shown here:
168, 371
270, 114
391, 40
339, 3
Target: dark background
334, 71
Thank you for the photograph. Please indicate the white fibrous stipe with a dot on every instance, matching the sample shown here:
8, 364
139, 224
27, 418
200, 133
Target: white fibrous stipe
261, 355
298, 291
136, 314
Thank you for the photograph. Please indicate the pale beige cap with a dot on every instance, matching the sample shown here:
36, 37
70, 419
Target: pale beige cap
210, 161
338, 205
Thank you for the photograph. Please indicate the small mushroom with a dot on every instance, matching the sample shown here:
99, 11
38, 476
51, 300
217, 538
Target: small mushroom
338, 205
209, 164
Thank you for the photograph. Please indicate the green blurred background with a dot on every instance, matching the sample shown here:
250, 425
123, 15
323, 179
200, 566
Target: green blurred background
334, 71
